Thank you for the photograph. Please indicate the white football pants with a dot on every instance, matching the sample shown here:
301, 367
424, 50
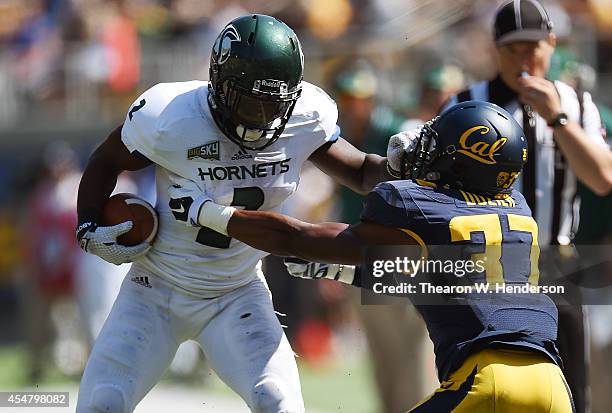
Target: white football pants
238, 332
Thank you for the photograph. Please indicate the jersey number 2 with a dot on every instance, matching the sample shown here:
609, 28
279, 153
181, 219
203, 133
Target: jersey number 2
250, 197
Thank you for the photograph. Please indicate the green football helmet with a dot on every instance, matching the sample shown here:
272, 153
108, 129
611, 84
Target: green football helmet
256, 70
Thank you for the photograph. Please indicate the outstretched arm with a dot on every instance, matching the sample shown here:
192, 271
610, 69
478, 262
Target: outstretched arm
281, 235
360, 171
285, 236
351, 167
327, 242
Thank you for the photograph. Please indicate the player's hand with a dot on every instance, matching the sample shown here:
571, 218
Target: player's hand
541, 95
300, 268
186, 200
399, 145
102, 241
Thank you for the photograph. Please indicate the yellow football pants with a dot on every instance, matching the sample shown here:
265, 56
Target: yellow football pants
502, 381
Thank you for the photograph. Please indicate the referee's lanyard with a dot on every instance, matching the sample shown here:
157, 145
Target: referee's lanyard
529, 172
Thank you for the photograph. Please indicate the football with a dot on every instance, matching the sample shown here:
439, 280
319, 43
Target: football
129, 207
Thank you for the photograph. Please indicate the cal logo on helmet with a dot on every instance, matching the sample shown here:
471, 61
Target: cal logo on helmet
477, 149
491, 143
223, 46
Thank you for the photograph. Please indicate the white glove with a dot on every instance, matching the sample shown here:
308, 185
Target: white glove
195, 207
300, 268
400, 144
102, 241
186, 200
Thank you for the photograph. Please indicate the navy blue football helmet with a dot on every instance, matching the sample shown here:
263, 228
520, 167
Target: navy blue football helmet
475, 146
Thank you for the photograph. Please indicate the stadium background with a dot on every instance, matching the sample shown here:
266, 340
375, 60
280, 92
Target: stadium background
69, 69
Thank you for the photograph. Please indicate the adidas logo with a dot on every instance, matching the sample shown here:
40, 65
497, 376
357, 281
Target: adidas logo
144, 281
242, 154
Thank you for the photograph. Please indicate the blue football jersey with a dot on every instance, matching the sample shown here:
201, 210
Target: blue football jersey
444, 217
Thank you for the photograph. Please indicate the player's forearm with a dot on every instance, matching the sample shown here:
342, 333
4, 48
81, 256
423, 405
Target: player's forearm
591, 163
351, 167
97, 184
371, 170
285, 236
374, 170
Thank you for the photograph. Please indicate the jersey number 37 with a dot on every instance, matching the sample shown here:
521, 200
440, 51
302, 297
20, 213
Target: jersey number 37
464, 228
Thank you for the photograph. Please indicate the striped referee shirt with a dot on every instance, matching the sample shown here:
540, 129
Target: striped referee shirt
547, 183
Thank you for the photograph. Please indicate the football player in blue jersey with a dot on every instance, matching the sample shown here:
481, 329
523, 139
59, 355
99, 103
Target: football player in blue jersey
455, 187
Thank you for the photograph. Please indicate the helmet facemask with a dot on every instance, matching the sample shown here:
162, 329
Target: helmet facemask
415, 165
255, 118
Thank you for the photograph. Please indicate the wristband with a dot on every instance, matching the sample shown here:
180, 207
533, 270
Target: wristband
83, 228
215, 216
88, 215
345, 274
559, 120
393, 172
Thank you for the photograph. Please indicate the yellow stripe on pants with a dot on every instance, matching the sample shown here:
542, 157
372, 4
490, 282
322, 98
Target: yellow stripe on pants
502, 381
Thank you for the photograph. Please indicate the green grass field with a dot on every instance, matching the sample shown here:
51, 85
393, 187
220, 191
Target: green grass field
337, 386
14, 370
346, 387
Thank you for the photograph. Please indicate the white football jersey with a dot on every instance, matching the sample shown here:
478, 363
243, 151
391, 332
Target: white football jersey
172, 126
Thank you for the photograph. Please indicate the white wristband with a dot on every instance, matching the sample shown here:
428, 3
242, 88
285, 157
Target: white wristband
343, 273
215, 216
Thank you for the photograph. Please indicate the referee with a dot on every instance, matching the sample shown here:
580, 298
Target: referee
565, 141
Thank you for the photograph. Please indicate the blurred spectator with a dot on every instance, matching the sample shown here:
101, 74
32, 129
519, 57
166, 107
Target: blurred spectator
121, 40
12, 14
10, 255
51, 252
37, 49
328, 19
10, 265
364, 121
437, 86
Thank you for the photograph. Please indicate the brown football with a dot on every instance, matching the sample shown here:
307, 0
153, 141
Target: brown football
129, 207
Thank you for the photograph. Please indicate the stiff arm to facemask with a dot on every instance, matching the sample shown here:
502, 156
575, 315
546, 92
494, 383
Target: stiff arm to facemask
400, 147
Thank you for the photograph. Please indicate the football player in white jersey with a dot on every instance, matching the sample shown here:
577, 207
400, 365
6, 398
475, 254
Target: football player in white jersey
243, 136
